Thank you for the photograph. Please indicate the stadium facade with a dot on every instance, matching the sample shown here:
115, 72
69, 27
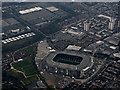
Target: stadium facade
70, 64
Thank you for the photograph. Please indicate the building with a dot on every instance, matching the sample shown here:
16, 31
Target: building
73, 47
30, 10
52, 9
69, 64
15, 31
86, 26
103, 16
111, 24
119, 24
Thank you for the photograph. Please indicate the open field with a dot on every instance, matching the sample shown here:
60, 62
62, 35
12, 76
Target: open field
25, 66
24, 70
20, 77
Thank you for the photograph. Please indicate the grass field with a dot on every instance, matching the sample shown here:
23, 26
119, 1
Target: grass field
32, 49
25, 66
20, 77
30, 79
15, 74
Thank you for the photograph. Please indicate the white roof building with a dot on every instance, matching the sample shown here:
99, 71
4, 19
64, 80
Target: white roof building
73, 47
52, 9
117, 55
30, 10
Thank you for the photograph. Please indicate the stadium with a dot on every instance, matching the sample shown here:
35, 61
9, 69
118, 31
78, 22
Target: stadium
70, 64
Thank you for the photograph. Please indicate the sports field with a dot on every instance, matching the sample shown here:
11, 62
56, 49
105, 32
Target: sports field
24, 71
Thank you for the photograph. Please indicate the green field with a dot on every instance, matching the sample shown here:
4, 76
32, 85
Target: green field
20, 77
30, 79
15, 74
25, 66
32, 50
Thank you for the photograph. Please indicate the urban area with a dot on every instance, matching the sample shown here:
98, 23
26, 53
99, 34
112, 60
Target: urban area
54, 45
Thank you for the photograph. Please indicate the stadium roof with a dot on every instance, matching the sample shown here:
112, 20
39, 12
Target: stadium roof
84, 63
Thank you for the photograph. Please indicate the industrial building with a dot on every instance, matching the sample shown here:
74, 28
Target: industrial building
30, 10
5, 41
